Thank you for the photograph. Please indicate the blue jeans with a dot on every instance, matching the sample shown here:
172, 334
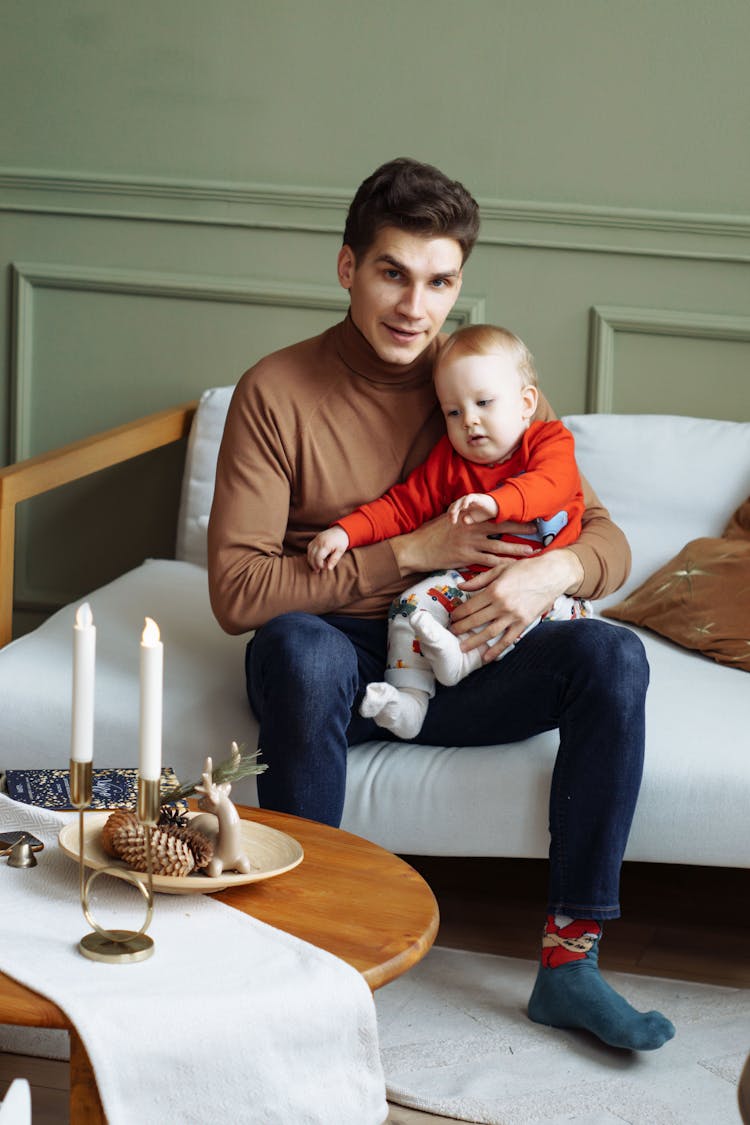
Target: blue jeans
306, 676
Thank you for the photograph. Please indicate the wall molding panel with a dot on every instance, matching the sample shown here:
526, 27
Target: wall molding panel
28, 278
606, 321
550, 225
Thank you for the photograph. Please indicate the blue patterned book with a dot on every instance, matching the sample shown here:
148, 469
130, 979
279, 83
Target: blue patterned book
110, 788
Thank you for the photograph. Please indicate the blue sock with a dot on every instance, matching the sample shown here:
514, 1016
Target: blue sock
570, 991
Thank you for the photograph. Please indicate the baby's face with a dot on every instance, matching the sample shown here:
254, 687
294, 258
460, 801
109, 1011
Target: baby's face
486, 406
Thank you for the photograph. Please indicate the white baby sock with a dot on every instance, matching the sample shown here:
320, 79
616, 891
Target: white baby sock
400, 710
443, 650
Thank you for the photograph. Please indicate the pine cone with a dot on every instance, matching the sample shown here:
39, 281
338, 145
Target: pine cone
199, 844
120, 818
169, 854
171, 816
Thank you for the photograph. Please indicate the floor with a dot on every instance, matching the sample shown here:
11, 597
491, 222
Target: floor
690, 923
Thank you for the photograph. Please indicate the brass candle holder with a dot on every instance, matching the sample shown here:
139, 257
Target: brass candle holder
115, 946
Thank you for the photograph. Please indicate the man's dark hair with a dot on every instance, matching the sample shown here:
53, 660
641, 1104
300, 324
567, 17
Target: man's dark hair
414, 197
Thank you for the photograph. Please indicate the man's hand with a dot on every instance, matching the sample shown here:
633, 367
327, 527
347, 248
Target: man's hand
325, 550
441, 543
510, 596
476, 507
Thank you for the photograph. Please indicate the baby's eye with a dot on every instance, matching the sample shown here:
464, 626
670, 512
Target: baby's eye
484, 402
452, 413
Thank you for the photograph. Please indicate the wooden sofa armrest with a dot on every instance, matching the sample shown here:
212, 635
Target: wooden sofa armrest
72, 462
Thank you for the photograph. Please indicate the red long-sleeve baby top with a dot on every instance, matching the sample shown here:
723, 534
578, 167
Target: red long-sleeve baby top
538, 480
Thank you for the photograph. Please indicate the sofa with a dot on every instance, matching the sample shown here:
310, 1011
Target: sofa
666, 480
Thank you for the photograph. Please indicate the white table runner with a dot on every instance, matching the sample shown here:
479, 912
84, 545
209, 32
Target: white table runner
231, 1020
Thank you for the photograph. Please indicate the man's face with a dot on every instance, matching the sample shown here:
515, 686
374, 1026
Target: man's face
401, 290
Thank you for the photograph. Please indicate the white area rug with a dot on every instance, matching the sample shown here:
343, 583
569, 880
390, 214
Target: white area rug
455, 1040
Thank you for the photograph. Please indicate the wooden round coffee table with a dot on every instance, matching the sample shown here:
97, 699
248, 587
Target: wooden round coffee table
348, 896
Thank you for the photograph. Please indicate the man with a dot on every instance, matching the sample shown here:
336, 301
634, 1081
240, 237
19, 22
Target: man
323, 426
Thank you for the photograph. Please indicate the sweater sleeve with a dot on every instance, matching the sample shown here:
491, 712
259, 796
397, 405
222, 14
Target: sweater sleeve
601, 547
252, 576
550, 480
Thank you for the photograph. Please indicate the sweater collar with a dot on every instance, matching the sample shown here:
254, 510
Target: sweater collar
362, 359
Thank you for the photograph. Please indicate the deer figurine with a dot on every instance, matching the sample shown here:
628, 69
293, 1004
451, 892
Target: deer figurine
220, 821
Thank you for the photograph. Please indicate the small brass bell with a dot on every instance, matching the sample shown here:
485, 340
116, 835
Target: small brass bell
21, 854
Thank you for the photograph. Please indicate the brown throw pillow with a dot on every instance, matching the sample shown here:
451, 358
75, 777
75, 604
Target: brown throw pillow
701, 598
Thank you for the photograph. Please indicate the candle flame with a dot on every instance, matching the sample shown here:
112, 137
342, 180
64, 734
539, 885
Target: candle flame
151, 633
84, 616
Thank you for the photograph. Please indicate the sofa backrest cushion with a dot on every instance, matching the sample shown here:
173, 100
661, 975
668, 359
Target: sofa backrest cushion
665, 479
200, 471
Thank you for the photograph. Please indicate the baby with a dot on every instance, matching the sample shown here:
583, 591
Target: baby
494, 463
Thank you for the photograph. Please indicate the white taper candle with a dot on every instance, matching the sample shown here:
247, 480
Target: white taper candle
84, 660
152, 677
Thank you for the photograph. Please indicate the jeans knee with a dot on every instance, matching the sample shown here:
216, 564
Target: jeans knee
302, 650
626, 655
613, 657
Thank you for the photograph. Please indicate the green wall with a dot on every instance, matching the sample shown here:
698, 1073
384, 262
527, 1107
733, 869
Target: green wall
614, 102
174, 178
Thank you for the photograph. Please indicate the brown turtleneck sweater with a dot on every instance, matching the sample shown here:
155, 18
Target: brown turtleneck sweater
313, 431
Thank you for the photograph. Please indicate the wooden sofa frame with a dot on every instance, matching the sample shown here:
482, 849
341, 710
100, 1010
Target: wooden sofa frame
79, 459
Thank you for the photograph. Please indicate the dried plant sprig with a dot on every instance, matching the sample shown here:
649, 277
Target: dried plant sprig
236, 766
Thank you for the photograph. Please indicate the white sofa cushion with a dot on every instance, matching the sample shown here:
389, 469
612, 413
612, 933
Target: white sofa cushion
199, 474
666, 480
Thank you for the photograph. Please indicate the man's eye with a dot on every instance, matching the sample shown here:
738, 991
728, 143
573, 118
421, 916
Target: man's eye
439, 282
392, 275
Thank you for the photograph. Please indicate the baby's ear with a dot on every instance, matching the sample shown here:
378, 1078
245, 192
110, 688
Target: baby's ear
530, 400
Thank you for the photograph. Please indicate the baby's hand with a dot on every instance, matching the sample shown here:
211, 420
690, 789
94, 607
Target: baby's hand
474, 508
325, 550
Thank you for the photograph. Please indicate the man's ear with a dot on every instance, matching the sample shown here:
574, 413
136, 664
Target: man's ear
530, 399
346, 265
